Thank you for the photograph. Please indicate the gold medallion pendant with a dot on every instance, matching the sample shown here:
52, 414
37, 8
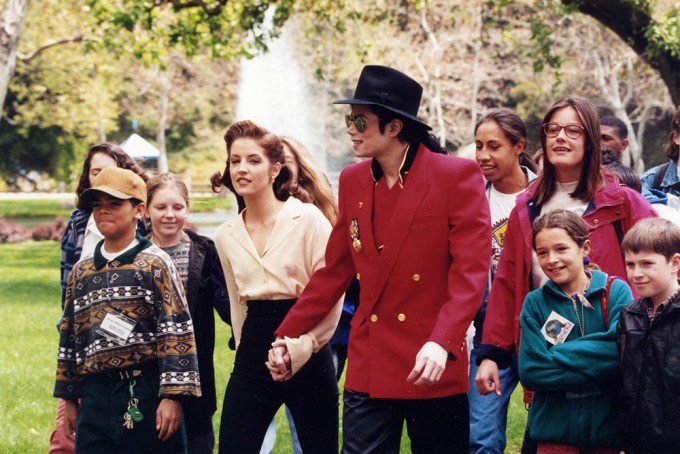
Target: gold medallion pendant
354, 235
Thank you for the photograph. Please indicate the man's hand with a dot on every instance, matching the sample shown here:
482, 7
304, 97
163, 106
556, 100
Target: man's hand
279, 360
487, 380
168, 417
430, 364
70, 414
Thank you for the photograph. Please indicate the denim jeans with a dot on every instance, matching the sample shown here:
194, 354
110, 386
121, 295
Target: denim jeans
270, 437
489, 414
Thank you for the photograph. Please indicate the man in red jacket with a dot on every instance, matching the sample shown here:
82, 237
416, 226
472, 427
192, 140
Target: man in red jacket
414, 228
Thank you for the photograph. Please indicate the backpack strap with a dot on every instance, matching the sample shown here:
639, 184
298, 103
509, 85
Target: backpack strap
659, 175
604, 300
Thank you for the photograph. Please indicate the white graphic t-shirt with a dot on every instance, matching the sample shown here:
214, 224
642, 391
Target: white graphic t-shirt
500, 206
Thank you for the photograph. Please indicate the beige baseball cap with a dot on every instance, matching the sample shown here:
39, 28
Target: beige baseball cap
120, 183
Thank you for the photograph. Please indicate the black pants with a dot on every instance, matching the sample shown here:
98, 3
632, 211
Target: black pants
99, 426
370, 425
252, 397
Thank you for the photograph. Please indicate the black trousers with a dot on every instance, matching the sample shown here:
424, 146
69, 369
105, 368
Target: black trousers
99, 425
252, 397
439, 425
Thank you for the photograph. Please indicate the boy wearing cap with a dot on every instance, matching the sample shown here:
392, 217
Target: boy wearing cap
413, 227
127, 354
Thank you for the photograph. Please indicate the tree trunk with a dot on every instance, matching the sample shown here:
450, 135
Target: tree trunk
434, 83
476, 44
606, 72
631, 24
164, 89
11, 23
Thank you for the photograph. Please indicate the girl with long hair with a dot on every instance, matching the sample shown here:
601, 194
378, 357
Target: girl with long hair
309, 183
268, 253
500, 142
196, 261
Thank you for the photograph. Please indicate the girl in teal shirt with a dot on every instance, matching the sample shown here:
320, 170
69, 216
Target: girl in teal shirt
568, 354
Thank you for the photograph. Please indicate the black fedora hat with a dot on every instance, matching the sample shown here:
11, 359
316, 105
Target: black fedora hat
388, 88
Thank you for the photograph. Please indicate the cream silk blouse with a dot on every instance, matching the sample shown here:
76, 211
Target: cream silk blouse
293, 252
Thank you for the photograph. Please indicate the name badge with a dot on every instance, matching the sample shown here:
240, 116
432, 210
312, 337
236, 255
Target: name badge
117, 327
556, 328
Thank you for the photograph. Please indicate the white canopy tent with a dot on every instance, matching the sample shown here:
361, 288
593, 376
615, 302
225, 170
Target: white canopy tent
138, 148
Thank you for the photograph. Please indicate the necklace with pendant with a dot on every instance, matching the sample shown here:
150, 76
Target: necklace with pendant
584, 303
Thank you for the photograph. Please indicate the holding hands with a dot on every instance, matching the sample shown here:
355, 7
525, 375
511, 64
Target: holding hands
278, 361
428, 369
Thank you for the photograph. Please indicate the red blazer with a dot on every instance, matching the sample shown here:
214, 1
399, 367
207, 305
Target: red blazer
425, 285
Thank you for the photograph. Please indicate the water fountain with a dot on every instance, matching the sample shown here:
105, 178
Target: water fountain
274, 91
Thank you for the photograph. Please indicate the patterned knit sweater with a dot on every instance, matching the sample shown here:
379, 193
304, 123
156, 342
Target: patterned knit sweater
143, 285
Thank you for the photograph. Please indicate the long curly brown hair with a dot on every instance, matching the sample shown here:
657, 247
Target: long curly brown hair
273, 149
312, 185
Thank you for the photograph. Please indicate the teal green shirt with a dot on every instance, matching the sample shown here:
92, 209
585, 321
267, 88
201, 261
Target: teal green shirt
575, 381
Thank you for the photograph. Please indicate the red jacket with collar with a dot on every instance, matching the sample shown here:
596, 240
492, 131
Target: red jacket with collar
425, 285
612, 206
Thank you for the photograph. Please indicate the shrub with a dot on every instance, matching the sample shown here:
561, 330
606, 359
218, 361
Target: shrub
13, 233
49, 231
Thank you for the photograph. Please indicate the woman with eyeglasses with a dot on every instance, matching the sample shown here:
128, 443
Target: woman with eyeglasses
573, 179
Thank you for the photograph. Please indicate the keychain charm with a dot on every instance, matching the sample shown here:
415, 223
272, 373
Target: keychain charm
133, 414
128, 423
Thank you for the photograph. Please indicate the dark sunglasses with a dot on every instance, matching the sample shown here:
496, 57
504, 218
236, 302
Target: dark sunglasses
358, 122
571, 130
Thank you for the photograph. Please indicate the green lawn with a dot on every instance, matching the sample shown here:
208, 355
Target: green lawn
59, 207
29, 310
39, 208
213, 203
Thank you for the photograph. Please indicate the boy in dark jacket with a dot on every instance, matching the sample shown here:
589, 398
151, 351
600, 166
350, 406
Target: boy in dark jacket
127, 352
648, 337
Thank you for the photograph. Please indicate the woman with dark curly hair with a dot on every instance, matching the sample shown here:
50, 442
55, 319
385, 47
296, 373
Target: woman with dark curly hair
268, 253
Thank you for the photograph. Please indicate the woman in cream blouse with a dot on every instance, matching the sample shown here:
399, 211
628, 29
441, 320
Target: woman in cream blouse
268, 254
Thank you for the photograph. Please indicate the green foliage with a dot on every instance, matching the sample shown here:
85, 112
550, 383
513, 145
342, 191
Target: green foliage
543, 51
542, 54
63, 85
43, 149
664, 34
59, 99
226, 29
646, 6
